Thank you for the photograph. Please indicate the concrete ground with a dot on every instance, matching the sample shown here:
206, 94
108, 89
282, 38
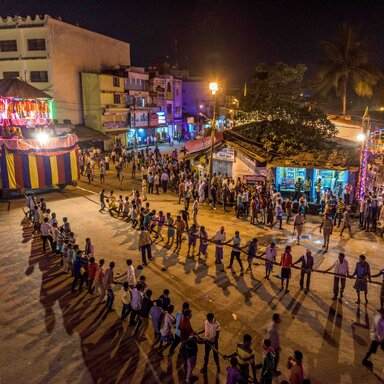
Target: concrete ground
50, 335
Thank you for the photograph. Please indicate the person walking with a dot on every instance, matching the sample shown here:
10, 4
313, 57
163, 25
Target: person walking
145, 243
346, 221
180, 228
268, 363
102, 173
381, 273
211, 339
298, 223
376, 337
195, 211
363, 274
307, 262
273, 335
341, 269
236, 250
286, 264
327, 228
279, 213
164, 181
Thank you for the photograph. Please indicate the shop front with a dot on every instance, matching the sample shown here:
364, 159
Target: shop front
333, 180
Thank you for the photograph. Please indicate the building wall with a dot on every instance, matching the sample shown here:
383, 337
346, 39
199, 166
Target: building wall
70, 50
88, 51
242, 165
177, 99
91, 100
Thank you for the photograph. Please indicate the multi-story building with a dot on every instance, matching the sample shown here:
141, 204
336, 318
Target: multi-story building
166, 93
51, 54
104, 104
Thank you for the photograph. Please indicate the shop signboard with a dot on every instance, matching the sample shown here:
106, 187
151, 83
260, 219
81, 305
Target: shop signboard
253, 179
224, 154
287, 184
153, 120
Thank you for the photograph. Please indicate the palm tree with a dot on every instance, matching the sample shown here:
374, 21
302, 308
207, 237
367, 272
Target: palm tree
348, 62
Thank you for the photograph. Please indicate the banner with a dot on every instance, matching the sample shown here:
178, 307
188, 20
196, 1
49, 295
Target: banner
203, 143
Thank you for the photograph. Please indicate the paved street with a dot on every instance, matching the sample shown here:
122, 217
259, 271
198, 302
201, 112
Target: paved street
50, 335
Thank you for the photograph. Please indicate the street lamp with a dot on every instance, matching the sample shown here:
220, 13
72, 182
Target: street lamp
361, 137
213, 88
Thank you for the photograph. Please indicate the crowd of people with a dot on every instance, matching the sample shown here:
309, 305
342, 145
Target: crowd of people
171, 329
160, 173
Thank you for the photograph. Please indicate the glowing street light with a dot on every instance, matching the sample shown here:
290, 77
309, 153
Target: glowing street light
361, 137
213, 87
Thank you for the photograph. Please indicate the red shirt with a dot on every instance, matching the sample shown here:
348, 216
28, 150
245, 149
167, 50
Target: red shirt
286, 260
185, 329
92, 270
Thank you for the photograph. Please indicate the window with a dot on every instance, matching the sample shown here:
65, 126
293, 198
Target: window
11, 74
39, 76
116, 99
36, 44
116, 82
169, 89
8, 46
169, 109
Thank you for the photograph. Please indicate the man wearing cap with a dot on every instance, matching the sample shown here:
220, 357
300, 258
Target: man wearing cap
306, 268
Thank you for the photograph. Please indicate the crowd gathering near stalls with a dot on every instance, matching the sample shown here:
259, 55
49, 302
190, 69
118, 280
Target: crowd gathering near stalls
160, 173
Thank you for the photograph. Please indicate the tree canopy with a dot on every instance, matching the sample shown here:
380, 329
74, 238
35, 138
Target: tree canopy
279, 114
348, 63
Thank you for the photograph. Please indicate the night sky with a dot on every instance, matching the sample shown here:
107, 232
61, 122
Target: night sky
223, 39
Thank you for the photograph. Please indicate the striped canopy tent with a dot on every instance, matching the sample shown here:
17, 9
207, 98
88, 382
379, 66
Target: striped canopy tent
29, 164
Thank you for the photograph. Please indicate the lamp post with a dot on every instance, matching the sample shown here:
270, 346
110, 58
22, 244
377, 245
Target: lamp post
214, 88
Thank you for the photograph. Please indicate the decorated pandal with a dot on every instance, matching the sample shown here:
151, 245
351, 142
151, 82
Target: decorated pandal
16, 113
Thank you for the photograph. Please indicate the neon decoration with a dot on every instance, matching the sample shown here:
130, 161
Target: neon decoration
25, 112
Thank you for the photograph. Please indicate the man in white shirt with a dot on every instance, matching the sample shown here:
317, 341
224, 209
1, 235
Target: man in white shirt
219, 239
211, 336
130, 276
46, 234
376, 336
270, 258
341, 267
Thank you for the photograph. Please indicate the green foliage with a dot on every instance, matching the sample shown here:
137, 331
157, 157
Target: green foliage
301, 130
273, 88
278, 117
